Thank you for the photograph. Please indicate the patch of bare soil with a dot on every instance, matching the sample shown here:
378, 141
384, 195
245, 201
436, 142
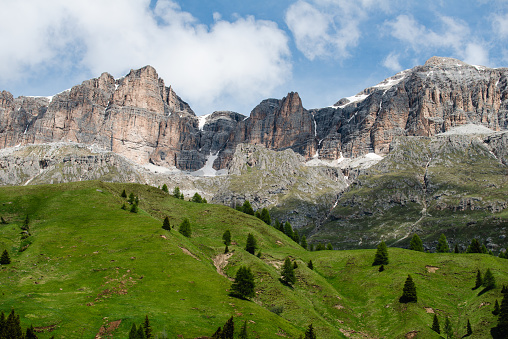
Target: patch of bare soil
429, 309
412, 334
186, 251
220, 262
431, 269
42, 329
108, 329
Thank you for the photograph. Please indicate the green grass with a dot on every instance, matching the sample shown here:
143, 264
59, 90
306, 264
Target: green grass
90, 263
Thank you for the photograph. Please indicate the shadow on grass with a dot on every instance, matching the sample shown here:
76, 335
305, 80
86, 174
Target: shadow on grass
286, 283
238, 296
485, 290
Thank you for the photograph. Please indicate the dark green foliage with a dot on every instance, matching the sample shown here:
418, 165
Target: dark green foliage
295, 265
124, 194
288, 274
501, 331
265, 216
320, 247
309, 333
311, 248
489, 282
381, 257
303, 242
479, 280
5, 259
185, 228
448, 330
243, 286
197, 198
484, 249
296, 236
442, 245
30, 333
176, 192
134, 208
131, 198
133, 334
243, 332
251, 245
147, 328
504, 289
217, 334
456, 249
247, 208
226, 249
259, 254
12, 328
165, 224
165, 188
124, 207
228, 330
2, 221
497, 310
329, 247
226, 238
141, 333
26, 223
310, 265
288, 230
204, 201
409, 291
416, 243
276, 225
257, 214
435, 324
474, 247
280, 226
277, 309
381, 268
469, 330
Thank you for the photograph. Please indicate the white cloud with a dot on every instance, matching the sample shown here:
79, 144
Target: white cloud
327, 28
500, 25
240, 60
392, 62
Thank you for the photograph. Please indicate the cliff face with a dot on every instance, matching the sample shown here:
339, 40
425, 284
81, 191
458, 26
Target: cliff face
139, 117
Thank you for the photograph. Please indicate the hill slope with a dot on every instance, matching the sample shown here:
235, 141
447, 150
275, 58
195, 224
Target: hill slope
89, 263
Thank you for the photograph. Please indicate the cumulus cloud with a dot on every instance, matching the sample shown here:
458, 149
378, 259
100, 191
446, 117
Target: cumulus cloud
327, 28
454, 35
500, 25
392, 62
241, 60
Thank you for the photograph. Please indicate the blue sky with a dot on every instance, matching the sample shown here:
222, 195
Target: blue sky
230, 55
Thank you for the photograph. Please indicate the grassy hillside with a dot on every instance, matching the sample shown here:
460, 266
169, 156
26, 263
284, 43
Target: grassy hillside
89, 263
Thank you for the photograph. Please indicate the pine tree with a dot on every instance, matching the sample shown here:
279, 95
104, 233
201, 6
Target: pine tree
381, 257
288, 230
296, 236
131, 198
228, 331
288, 274
309, 333
13, 326
30, 333
409, 291
251, 245
479, 280
243, 332
197, 198
502, 322
147, 328
124, 194
165, 188
243, 286
265, 216
185, 228
276, 225
133, 334
134, 208
474, 247
489, 282
329, 247
176, 192
226, 238
442, 245
165, 224
303, 242
124, 207
435, 325
456, 249
416, 243
217, 334
320, 247
469, 330
141, 332
311, 247
310, 265
5, 259
448, 329
497, 310
247, 208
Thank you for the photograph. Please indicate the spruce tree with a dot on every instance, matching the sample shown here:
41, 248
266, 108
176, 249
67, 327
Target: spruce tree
147, 328
133, 334
5, 259
226, 238
124, 194
320, 247
474, 247
497, 310
165, 224
442, 245
247, 208
309, 333
479, 280
488, 280
303, 242
141, 332
134, 208
448, 329
165, 188
310, 265
243, 332
217, 334
409, 291
176, 192
416, 243
265, 216
251, 245
296, 236
131, 198
197, 198
243, 286
288, 274
13, 326
456, 249
288, 230
276, 225
30, 333
381, 257
228, 331
435, 325
329, 247
502, 320
185, 228
469, 330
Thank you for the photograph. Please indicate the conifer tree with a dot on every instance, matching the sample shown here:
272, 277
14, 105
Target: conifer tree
247, 208
381, 257
251, 245
134, 208
131, 198
303, 242
265, 216
502, 321
320, 247
217, 334
281, 227
276, 225
13, 326
489, 282
435, 325
497, 310
197, 198
456, 249
329, 247
469, 330
243, 332
416, 243
226, 238
133, 333
442, 245
296, 236
124, 194
124, 207
5, 259
409, 291
257, 214
165, 188
147, 328
479, 280
228, 331
165, 224
288, 274
176, 192
309, 333
30, 333
243, 286
448, 329
288, 230
474, 247
185, 228
311, 247
310, 265
141, 332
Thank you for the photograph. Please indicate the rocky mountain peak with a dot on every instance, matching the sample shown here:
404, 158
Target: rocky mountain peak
291, 104
444, 61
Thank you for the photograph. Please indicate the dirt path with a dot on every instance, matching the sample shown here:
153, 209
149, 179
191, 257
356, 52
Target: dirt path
220, 262
186, 251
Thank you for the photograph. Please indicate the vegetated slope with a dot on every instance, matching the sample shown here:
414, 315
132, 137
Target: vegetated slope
451, 184
89, 263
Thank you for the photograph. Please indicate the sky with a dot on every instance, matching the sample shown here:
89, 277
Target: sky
230, 55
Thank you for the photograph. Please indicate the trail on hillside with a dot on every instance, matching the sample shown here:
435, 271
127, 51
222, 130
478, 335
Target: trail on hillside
220, 262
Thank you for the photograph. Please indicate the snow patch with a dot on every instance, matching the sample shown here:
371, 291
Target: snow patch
160, 169
353, 99
202, 121
479, 68
207, 170
373, 156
